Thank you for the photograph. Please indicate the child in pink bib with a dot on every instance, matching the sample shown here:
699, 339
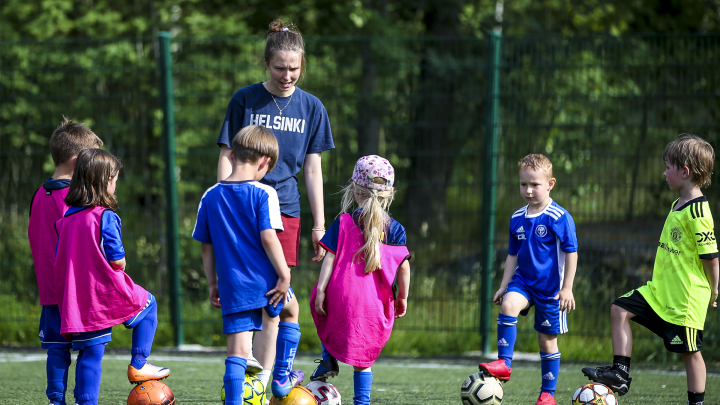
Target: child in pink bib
94, 293
364, 280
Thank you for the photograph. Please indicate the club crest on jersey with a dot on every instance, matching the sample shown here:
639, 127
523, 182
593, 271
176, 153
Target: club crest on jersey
676, 234
520, 233
541, 231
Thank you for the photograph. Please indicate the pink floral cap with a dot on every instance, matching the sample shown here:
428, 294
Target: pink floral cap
374, 172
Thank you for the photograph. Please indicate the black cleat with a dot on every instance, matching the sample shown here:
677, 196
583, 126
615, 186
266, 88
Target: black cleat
325, 370
607, 375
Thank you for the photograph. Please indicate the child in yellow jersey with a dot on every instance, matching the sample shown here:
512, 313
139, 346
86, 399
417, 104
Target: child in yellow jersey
674, 303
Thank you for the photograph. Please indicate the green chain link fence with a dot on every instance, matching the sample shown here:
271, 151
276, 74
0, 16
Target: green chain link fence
602, 108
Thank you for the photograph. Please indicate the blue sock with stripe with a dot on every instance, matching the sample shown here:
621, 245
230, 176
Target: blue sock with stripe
234, 380
507, 335
142, 337
362, 381
287, 343
550, 368
57, 367
89, 371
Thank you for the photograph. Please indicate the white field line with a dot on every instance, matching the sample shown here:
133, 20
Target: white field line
21, 358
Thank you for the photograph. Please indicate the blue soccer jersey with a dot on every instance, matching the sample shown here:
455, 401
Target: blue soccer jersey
540, 242
230, 217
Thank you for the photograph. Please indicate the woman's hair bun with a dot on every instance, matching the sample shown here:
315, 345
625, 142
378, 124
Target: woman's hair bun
280, 26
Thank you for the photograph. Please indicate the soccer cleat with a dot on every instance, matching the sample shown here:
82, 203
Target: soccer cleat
607, 375
546, 399
146, 373
293, 380
497, 369
325, 370
253, 366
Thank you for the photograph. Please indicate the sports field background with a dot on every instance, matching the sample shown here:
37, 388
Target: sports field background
196, 379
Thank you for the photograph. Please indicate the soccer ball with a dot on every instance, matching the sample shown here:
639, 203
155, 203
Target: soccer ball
151, 393
254, 393
594, 393
297, 396
481, 389
325, 393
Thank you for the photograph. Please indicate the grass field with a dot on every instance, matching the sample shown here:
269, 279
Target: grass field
197, 378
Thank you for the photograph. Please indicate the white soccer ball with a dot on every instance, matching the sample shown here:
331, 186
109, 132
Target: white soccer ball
325, 393
594, 394
481, 389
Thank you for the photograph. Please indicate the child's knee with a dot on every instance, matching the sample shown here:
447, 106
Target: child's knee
513, 303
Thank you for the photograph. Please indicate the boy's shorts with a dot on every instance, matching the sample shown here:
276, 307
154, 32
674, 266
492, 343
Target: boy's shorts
104, 336
548, 318
677, 338
251, 320
290, 239
49, 331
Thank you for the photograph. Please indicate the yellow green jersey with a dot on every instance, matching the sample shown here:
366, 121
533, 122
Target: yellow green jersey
679, 291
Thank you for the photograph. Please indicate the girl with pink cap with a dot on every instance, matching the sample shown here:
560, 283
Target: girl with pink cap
365, 277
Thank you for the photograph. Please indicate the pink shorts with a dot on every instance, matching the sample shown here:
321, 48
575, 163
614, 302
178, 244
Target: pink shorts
290, 239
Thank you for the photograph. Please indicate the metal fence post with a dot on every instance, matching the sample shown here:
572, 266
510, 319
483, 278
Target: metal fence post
489, 188
170, 180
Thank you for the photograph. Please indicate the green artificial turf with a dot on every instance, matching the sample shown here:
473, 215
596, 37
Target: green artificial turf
197, 378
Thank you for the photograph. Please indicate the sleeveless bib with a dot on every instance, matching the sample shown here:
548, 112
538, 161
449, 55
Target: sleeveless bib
360, 307
47, 207
92, 295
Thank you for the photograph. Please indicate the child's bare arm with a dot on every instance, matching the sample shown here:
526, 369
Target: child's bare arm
273, 248
510, 267
117, 264
208, 256
567, 300
326, 272
713, 274
404, 286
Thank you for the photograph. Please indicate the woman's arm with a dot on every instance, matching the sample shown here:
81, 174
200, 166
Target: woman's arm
325, 273
224, 163
312, 170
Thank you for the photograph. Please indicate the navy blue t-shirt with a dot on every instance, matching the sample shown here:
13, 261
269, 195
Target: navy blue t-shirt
231, 216
302, 128
111, 236
395, 234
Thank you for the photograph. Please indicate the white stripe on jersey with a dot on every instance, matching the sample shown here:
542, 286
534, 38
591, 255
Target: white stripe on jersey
273, 205
520, 212
200, 205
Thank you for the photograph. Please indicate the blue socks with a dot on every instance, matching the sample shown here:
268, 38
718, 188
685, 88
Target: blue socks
58, 363
89, 370
507, 335
325, 354
287, 342
550, 366
362, 381
142, 337
234, 380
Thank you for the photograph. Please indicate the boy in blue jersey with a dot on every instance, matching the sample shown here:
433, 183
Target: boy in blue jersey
237, 223
539, 271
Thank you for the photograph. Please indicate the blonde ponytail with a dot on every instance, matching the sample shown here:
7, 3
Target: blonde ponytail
373, 219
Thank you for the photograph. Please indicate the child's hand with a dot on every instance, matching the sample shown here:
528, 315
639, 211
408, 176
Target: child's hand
498, 297
567, 300
400, 307
319, 302
279, 292
215, 296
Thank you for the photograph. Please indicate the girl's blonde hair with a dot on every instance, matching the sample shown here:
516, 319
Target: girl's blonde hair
89, 185
373, 219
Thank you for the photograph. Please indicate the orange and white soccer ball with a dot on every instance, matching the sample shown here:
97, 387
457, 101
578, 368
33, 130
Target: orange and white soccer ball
151, 393
325, 393
297, 396
594, 394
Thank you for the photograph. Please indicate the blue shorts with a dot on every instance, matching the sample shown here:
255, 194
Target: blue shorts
104, 336
548, 318
251, 320
49, 331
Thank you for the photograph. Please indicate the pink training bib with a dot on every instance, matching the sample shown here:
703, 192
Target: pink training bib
47, 207
92, 295
360, 307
